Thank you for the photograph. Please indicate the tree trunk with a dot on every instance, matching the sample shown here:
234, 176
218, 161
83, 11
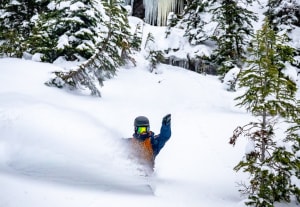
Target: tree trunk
264, 136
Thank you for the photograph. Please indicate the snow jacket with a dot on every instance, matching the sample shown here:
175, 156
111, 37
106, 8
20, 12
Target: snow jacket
144, 149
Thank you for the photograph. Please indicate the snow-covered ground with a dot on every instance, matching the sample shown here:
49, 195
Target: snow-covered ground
60, 148
64, 149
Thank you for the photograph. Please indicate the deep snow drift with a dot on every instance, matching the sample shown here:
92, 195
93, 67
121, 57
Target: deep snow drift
60, 148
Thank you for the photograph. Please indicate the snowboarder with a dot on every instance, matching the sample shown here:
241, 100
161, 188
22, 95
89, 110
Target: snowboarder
145, 145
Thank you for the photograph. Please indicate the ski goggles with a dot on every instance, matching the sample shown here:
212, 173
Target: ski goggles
142, 129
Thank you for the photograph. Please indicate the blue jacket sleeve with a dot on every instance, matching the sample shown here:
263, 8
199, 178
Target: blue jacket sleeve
158, 141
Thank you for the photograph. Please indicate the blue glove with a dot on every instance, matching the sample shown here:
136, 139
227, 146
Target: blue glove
166, 120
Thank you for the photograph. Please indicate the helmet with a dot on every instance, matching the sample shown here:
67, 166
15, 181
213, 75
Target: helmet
141, 121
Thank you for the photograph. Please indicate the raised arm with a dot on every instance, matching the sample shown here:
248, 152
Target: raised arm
165, 133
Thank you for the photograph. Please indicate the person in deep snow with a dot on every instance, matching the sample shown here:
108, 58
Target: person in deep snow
145, 145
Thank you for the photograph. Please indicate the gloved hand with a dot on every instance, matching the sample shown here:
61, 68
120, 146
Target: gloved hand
166, 120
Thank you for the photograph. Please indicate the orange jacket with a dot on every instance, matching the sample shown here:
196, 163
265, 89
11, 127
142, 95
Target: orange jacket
143, 152
144, 148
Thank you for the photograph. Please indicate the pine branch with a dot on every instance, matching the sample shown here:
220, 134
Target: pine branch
84, 75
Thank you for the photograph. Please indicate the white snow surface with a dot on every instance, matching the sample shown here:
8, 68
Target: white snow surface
61, 148
64, 148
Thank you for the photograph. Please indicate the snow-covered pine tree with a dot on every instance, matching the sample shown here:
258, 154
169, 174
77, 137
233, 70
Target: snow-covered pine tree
293, 162
137, 37
270, 96
69, 29
108, 56
16, 24
232, 34
152, 54
171, 22
119, 38
194, 21
284, 14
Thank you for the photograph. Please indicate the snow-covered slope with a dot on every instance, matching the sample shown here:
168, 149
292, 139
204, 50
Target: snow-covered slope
64, 149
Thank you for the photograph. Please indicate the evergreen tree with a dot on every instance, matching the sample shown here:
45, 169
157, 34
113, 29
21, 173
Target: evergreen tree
293, 136
232, 33
194, 21
119, 38
108, 56
16, 24
269, 95
171, 22
284, 14
152, 54
70, 29
137, 37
